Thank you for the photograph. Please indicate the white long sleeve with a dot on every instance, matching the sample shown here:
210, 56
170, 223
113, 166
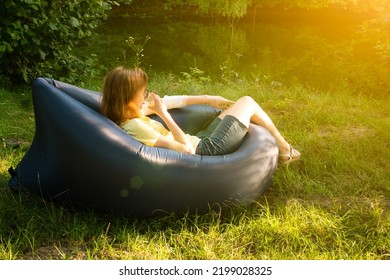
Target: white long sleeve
174, 101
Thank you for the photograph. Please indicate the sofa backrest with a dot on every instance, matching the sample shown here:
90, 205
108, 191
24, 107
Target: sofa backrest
87, 97
191, 118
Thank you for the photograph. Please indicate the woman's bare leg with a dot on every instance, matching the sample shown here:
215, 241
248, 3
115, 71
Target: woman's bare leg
247, 110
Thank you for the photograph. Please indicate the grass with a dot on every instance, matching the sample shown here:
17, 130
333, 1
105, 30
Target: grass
333, 204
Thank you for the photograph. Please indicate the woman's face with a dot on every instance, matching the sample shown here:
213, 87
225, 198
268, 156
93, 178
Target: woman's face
140, 97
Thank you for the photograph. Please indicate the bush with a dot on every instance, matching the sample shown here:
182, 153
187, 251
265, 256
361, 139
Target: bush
37, 37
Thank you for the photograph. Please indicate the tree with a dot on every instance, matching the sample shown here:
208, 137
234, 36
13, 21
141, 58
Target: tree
37, 37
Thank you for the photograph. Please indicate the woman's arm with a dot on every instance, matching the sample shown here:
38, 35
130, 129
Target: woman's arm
212, 100
168, 143
180, 142
177, 101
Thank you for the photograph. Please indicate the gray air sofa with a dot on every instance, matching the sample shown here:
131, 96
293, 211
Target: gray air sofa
79, 156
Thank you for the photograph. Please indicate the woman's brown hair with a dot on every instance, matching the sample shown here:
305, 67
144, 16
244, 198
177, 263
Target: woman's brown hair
120, 87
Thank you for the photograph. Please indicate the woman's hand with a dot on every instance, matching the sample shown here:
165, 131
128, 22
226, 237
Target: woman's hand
219, 102
180, 142
157, 105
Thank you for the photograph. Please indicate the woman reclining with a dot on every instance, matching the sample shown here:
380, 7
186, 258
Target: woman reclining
123, 102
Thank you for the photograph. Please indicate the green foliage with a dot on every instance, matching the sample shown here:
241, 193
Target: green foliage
226, 8
378, 29
233, 8
307, 4
37, 37
137, 48
195, 74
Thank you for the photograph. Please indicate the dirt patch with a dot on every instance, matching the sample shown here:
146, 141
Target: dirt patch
356, 131
57, 252
14, 143
350, 132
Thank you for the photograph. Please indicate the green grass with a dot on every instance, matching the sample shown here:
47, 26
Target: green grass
333, 204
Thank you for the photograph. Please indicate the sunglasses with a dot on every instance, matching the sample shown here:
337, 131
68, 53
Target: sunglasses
146, 94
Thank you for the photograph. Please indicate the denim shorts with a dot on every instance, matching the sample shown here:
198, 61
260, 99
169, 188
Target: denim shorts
221, 136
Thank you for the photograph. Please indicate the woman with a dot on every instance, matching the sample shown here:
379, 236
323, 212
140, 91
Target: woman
124, 95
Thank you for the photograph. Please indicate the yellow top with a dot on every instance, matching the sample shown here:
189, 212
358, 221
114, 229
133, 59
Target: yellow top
147, 131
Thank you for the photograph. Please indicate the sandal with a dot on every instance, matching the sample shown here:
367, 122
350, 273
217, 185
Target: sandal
293, 155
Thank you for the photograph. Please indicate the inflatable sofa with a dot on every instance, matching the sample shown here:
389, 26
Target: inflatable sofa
79, 156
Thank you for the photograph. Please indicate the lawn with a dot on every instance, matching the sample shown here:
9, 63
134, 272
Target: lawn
332, 204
